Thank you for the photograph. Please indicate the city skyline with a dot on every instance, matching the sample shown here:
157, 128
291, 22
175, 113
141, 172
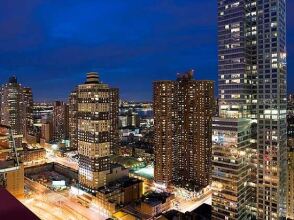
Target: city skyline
56, 48
152, 110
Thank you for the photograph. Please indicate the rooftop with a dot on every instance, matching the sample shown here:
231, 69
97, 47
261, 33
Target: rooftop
146, 172
154, 198
172, 214
11, 208
203, 211
119, 185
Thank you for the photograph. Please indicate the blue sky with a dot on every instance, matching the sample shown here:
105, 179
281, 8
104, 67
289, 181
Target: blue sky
50, 45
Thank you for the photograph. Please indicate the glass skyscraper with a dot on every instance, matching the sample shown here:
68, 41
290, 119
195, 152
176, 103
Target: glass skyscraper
249, 138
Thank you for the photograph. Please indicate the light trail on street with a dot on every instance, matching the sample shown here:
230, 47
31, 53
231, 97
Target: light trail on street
48, 205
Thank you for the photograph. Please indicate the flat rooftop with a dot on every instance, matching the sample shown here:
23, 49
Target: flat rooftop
119, 184
154, 198
4, 164
146, 172
203, 211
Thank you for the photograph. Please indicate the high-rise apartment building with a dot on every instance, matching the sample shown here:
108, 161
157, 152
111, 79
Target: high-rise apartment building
94, 115
73, 119
250, 150
13, 108
28, 111
164, 127
183, 111
60, 121
114, 112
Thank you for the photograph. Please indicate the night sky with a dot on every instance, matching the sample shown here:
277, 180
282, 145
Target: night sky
50, 44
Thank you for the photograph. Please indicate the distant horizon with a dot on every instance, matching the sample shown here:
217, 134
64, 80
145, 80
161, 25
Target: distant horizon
65, 99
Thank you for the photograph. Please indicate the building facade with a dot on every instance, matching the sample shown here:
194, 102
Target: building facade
28, 111
252, 87
164, 127
231, 169
94, 132
114, 121
290, 196
271, 108
183, 111
46, 132
60, 121
290, 131
14, 108
73, 119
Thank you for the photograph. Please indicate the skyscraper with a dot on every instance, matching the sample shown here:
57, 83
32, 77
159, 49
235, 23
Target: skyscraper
13, 108
114, 122
94, 132
250, 149
183, 111
272, 110
60, 121
73, 119
164, 127
290, 134
231, 169
28, 111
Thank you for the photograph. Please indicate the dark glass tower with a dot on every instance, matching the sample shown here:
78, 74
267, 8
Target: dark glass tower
272, 109
250, 161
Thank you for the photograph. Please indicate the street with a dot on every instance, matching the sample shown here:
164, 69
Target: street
50, 205
63, 161
189, 205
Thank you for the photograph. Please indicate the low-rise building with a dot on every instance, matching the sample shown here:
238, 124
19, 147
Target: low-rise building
153, 204
116, 172
203, 212
30, 156
46, 132
124, 216
119, 193
12, 172
15, 182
